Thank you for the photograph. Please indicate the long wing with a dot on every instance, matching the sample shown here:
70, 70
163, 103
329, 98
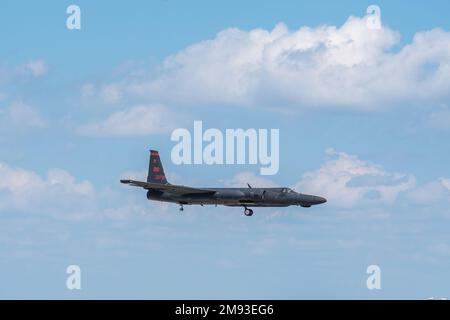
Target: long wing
167, 187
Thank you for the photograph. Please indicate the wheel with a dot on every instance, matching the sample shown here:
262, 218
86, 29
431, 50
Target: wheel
248, 212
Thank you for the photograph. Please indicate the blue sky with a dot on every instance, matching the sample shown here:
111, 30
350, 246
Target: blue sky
364, 120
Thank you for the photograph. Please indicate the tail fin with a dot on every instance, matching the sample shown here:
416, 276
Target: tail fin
155, 169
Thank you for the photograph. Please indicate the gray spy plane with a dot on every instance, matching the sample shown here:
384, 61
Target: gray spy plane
161, 190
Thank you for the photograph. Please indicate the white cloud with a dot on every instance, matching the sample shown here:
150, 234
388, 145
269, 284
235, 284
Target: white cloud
431, 192
345, 180
32, 68
110, 94
136, 121
87, 91
346, 67
36, 68
445, 183
58, 193
241, 179
135, 175
20, 116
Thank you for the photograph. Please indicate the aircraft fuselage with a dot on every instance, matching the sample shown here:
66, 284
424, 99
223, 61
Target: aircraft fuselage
249, 197
159, 189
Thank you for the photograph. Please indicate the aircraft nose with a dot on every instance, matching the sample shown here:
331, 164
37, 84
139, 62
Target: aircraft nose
319, 200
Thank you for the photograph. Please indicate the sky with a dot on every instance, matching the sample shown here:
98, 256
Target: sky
363, 116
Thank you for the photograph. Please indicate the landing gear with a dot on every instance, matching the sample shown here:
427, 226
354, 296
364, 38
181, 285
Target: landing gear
248, 212
181, 207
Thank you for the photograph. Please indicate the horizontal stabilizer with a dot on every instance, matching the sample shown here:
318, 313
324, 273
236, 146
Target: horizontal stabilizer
167, 187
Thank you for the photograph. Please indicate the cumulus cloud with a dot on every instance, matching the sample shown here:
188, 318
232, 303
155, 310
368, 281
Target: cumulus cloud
32, 68
37, 68
241, 179
350, 66
15, 115
107, 94
20, 116
58, 193
136, 121
345, 180
348, 181
134, 175
431, 192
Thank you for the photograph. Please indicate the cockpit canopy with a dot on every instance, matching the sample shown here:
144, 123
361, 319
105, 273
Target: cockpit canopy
287, 190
